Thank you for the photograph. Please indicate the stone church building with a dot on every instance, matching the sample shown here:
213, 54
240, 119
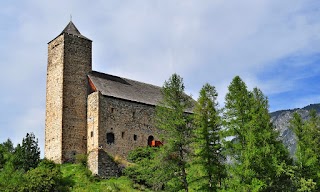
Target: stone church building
89, 112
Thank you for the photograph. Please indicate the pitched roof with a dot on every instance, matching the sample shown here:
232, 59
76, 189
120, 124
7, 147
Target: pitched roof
127, 89
72, 29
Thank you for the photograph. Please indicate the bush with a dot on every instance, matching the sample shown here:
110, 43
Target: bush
145, 171
142, 153
82, 159
46, 177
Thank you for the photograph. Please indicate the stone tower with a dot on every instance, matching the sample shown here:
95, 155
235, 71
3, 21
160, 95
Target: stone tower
69, 62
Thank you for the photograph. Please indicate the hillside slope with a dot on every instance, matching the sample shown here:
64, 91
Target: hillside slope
281, 120
80, 179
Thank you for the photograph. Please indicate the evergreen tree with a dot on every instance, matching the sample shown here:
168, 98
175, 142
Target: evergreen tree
11, 178
6, 149
145, 165
268, 157
237, 119
308, 151
27, 155
172, 118
236, 116
8, 146
258, 159
207, 139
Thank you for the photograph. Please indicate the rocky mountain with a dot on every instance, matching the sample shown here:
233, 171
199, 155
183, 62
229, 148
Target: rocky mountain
281, 120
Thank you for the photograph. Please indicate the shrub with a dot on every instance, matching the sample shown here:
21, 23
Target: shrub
46, 177
82, 159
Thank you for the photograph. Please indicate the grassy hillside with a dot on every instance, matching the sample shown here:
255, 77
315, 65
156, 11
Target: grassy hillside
80, 179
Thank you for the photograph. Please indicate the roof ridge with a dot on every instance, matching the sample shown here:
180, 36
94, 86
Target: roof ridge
128, 79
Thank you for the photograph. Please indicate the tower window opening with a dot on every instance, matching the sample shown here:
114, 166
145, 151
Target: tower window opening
122, 135
135, 137
110, 138
91, 133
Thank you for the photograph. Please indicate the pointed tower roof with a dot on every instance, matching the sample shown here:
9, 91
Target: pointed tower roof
72, 29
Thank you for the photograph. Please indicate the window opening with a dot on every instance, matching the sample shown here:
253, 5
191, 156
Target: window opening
122, 135
135, 137
110, 138
91, 133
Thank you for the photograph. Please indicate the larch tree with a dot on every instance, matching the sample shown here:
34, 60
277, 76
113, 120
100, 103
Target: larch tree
237, 120
258, 160
268, 156
207, 143
172, 116
308, 151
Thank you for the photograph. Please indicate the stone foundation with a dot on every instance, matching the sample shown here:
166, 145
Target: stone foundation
102, 164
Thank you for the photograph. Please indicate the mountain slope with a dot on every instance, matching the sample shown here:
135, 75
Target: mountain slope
281, 120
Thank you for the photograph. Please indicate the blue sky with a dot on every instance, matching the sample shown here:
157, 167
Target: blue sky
271, 44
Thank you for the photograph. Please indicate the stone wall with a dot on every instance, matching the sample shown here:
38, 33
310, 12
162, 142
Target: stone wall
69, 62
107, 167
102, 164
53, 125
93, 121
130, 123
93, 161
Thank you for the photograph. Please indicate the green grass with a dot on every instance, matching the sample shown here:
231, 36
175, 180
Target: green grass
80, 179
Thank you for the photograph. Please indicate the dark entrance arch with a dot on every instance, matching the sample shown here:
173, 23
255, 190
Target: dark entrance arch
150, 139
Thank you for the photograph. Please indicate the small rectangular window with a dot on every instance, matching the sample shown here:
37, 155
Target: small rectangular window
91, 133
135, 137
122, 135
110, 138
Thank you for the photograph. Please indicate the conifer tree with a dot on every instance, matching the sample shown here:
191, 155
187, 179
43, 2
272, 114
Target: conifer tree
236, 116
258, 158
27, 155
207, 139
268, 157
172, 118
6, 148
308, 151
237, 120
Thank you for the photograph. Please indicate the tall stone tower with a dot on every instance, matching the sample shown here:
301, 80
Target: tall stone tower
69, 62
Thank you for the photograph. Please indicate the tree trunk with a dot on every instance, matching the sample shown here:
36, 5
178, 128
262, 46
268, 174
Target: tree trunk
183, 169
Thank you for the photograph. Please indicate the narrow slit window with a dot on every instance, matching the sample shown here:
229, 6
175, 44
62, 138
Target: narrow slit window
135, 137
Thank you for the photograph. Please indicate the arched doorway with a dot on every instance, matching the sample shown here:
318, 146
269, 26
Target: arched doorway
150, 139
